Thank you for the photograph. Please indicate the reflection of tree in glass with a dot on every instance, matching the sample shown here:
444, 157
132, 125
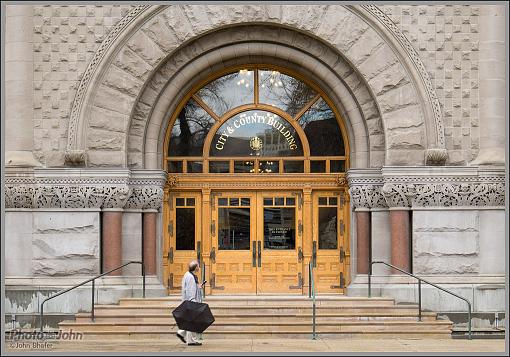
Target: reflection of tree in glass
285, 92
322, 130
189, 131
228, 92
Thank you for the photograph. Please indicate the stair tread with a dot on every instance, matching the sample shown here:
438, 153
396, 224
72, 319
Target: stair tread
347, 322
406, 331
398, 314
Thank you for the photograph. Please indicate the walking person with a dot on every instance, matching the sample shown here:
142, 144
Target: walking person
191, 290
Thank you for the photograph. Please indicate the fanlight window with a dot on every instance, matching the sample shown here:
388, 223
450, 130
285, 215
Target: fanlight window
256, 120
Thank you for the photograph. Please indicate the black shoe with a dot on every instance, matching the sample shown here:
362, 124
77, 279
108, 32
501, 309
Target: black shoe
195, 344
181, 338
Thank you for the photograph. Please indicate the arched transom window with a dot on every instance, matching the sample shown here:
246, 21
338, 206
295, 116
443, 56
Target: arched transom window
256, 120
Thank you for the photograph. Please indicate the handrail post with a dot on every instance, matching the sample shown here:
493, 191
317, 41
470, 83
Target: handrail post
143, 280
419, 299
370, 280
41, 316
92, 316
469, 320
310, 280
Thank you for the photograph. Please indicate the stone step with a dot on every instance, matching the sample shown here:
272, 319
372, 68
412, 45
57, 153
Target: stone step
262, 301
157, 335
268, 327
147, 309
276, 318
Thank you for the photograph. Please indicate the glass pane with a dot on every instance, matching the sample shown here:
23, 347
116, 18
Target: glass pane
228, 92
245, 201
317, 166
333, 201
189, 131
293, 166
337, 166
190, 201
322, 130
283, 91
185, 228
269, 167
234, 229
268, 201
219, 167
279, 228
323, 201
234, 202
174, 166
179, 202
256, 133
244, 166
194, 166
327, 228
279, 201
290, 201
222, 201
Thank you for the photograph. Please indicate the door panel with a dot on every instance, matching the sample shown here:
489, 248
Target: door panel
184, 231
328, 232
279, 238
232, 269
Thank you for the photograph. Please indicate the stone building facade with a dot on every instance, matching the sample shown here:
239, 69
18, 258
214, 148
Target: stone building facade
90, 89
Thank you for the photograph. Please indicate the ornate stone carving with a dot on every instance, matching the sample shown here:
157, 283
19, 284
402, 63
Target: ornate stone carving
172, 181
398, 195
436, 157
145, 198
448, 195
367, 196
75, 158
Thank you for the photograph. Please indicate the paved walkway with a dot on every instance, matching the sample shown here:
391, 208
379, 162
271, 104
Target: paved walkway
268, 345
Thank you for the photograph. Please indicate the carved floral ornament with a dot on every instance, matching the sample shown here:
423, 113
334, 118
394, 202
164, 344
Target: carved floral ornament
428, 195
83, 196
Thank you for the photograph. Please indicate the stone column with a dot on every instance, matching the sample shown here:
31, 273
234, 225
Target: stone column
400, 234
19, 78
363, 239
112, 240
149, 241
492, 68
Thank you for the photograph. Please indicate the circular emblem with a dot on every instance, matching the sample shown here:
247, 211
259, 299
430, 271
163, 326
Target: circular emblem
256, 143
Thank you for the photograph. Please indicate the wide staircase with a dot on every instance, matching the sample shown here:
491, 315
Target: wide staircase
264, 317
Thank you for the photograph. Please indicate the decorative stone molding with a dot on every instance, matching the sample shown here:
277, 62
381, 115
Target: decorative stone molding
427, 187
398, 195
75, 158
76, 188
436, 157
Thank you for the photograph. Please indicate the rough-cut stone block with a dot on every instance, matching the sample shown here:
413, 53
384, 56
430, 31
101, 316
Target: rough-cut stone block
452, 264
106, 158
132, 63
391, 77
145, 48
105, 140
490, 297
226, 14
350, 31
446, 243
18, 243
112, 99
397, 98
122, 81
65, 246
438, 221
405, 157
405, 139
330, 19
161, 34
381, 59
198, 17
107, 119
364, 47
59, 267
178, 23
305, 17
403, 118
492, 241
68, 222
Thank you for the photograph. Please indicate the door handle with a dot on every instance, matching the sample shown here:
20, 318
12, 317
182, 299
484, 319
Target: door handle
171, 255
254, 255
300, 255
259, 254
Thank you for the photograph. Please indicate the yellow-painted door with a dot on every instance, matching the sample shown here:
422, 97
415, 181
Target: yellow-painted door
329, 250
232, 257
183, 243
279, 243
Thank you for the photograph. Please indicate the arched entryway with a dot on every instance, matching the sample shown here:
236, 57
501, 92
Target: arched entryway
257, 155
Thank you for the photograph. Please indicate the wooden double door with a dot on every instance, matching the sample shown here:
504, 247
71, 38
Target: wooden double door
258, 242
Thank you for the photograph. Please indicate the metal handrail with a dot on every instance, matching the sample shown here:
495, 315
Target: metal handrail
311, 294
203, 279
419, 291
93, 289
